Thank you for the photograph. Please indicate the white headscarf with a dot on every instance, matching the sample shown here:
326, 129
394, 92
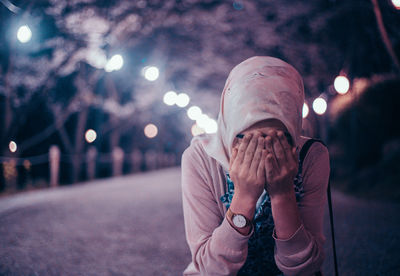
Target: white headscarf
257, 89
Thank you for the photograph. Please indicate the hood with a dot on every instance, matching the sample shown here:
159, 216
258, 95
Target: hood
257, 89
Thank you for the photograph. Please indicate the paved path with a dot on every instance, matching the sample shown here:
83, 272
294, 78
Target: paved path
133, 225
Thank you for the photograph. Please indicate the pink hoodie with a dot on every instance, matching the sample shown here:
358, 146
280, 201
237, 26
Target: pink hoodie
258, 88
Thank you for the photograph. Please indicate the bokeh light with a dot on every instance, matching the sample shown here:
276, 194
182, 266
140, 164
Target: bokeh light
196, 130
151, 73
12, 146
320, 105
115, 63
182, 100
170, 97
90, 135
202, 121
341, 84
396, 4
305, 110
24, 34
150, 131
194, 112
211, 126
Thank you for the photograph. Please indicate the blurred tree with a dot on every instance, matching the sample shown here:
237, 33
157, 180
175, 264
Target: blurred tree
371, 165
56, 84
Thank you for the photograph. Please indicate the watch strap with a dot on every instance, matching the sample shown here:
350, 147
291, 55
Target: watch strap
231, 214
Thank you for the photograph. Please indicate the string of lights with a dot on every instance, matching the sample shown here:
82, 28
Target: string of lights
203, 122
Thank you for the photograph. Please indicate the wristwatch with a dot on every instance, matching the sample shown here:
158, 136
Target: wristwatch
238, 220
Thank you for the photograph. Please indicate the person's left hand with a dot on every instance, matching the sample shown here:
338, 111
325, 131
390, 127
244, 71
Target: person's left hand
281, 164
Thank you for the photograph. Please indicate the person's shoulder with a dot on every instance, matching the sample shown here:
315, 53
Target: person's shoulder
316, 168
195, 152
195, 149
317, 148
195, 164
317, 154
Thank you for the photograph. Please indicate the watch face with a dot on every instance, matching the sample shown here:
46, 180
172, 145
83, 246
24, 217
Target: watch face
239, 221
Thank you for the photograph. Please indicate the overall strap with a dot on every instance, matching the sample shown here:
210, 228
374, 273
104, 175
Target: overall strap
303, 153
306, 146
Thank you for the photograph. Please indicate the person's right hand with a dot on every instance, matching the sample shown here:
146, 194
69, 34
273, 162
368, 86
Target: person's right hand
246, 167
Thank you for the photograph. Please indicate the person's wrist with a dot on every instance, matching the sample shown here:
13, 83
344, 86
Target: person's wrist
245, 196
242, 230
243, 204
283, 196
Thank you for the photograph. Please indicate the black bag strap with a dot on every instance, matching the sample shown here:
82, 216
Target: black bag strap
303, 153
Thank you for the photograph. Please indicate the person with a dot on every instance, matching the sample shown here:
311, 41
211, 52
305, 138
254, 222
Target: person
249, 207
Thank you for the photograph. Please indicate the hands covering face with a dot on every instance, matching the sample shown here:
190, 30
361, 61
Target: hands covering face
259, 163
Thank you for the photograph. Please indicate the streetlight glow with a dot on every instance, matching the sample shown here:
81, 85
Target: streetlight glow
305, 110
202, 120
194, 112
182, 100
115, 63
90, 135
151, 73
396, 4
341, 84
24, 34
170, 98
12, 146
319, 106
196, 130
150, 131
211, 126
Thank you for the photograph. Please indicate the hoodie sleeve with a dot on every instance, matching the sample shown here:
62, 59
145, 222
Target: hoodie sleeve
303, 252
216, 247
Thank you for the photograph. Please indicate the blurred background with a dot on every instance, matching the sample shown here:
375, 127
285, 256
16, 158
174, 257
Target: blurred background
108, 94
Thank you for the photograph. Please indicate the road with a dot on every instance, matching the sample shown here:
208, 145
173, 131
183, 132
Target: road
133, 225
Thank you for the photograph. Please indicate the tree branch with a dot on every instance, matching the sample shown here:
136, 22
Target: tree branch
384, 34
